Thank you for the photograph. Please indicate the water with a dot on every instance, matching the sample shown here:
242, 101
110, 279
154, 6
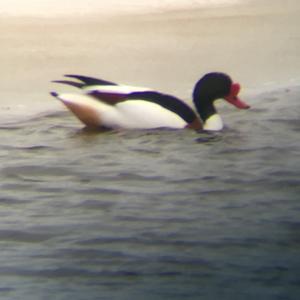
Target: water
157, 214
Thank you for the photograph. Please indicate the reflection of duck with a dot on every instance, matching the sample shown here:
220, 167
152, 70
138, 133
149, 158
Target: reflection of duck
108, 105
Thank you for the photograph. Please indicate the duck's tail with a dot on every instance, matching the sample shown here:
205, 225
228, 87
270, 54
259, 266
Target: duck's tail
54, 94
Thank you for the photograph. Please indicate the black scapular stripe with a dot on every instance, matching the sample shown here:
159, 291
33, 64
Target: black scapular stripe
110, 98
169, 102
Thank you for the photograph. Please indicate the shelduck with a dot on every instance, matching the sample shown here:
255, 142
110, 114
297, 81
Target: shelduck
105, 104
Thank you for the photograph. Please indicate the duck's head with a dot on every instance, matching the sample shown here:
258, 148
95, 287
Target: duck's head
213, 86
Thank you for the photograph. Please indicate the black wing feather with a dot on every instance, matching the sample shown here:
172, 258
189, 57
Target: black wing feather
69, 82
90, 80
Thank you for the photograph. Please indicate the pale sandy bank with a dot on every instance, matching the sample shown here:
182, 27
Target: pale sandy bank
256, 44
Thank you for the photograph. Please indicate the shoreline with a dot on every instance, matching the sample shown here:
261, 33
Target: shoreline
213, 12
247, 8
50, 9
167, 51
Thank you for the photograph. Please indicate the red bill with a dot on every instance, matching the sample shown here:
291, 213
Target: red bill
233, 98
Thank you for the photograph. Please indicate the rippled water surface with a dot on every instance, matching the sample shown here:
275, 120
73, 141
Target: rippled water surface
161, 214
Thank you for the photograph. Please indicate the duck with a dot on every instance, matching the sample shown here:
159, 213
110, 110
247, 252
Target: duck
103, 104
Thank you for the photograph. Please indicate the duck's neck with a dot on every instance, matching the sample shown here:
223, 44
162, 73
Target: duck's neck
205, 107
208, 114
